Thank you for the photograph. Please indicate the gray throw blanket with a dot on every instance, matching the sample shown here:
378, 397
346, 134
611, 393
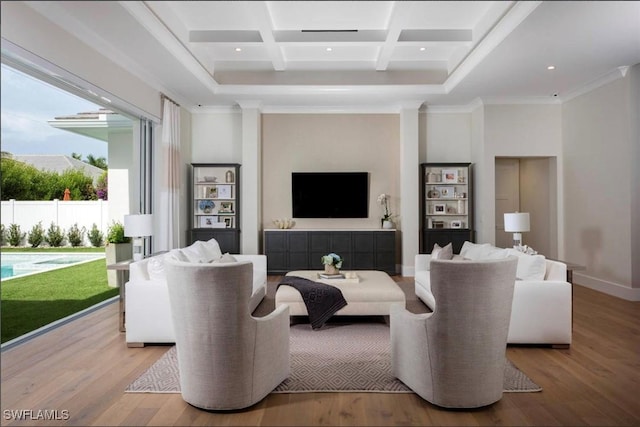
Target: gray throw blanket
322, 300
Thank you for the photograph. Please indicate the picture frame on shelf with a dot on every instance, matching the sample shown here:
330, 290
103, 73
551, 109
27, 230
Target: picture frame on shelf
450, 176
456, 224
210, 192
224, 191
226, 207
446, 192
208, 221
437, 224
440, 209
228, 221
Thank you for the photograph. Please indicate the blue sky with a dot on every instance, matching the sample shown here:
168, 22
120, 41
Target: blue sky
27, 103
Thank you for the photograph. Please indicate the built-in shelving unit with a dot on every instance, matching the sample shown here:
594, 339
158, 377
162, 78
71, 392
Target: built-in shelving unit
215, 207
446, 207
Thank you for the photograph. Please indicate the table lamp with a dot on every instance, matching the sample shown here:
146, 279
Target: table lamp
138, 226
516, 223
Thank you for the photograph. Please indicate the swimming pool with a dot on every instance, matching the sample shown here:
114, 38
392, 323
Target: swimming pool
21, 263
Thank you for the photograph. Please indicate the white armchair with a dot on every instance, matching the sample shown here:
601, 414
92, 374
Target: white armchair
227, 359
455, 356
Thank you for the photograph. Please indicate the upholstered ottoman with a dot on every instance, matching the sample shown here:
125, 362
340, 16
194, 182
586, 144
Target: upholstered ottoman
372, 294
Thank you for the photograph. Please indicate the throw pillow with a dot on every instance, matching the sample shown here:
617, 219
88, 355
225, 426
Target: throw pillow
474, 251
227, 258
177, 255
530, 267
193, 253
442, 253
155, 267
212, 248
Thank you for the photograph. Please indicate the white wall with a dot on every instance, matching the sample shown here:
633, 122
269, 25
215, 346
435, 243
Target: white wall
599, 163
218, 136
512, 131
330, 142
448, 137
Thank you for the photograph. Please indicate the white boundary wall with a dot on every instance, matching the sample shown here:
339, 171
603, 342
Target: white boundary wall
62, 213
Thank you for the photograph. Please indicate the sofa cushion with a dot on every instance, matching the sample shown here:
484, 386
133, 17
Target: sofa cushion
530, 267
445, 252
474, 251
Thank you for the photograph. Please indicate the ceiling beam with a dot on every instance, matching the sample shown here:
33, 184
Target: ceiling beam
513, 17
259, 10
393, 33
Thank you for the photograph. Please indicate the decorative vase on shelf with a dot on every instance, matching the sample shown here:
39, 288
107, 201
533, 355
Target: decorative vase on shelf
387, 224
331, 269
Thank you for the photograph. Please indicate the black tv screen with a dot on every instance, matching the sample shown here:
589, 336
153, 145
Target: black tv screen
330, 194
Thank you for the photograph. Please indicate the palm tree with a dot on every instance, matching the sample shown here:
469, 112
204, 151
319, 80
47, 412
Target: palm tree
99, 162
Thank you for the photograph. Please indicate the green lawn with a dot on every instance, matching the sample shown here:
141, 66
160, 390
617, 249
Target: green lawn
34, 301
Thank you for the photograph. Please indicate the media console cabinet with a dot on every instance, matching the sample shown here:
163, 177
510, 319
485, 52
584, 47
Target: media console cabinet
300, 249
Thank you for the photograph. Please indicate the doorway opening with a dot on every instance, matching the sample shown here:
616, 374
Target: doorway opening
528, 184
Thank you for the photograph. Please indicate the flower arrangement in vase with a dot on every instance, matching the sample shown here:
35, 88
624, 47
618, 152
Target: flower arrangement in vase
332, 263
386, 222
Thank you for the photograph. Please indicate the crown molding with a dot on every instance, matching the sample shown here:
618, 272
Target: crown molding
611, 76
521, 100
331, 109
215, 109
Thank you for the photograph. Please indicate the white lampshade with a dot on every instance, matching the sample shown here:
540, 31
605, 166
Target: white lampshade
139, 225
516, 222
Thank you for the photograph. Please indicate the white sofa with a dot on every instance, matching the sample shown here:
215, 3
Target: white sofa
542, 300
147, 308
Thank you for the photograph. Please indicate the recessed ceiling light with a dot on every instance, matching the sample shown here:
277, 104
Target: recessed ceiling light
329, 49
238, 49
422, 49
551, 67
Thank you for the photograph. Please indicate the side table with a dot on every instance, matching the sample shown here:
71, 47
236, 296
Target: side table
571, 267
122, 269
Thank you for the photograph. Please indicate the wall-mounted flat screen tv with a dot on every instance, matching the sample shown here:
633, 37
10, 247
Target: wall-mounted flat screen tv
330, 194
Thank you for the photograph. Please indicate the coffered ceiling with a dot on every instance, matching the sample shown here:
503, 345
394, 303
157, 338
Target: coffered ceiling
359, 53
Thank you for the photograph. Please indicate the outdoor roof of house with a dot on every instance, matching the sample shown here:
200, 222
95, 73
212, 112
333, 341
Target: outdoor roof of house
58, 163
87, 115
93, 124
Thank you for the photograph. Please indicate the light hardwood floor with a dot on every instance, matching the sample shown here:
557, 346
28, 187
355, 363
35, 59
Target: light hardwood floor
83, 368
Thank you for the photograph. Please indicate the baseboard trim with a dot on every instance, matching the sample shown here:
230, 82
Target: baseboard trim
408, 270
610, 288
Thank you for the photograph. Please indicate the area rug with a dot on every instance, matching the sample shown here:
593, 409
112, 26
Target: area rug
337, 358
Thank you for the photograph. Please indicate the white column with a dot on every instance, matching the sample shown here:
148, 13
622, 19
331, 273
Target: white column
122, 166
250, 178
409, 185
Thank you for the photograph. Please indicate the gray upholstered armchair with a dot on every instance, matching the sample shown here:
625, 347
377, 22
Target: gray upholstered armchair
455, 356
227, 359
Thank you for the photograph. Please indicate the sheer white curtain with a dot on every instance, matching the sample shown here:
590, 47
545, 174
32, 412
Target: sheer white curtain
169, 213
